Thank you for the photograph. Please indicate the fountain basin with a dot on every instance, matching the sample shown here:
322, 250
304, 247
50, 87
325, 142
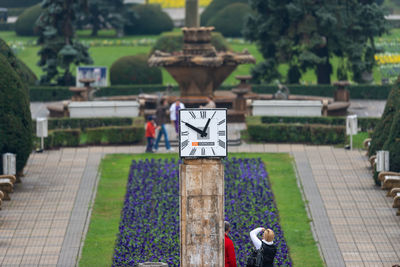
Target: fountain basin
97, 109
292, 108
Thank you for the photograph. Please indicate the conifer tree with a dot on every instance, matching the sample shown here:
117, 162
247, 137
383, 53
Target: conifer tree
305, 34
59, 47
102, 14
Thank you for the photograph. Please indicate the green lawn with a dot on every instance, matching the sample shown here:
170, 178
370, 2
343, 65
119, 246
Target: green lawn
99, 244
106, 55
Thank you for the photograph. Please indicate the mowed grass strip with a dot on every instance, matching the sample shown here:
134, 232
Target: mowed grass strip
103, 229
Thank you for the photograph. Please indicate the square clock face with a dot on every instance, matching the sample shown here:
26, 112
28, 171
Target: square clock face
203, 132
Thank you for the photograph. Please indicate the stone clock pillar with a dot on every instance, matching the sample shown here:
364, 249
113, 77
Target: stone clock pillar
202, 213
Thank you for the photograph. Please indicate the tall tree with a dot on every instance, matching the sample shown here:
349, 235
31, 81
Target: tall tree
102, 14
305, 34
59, 48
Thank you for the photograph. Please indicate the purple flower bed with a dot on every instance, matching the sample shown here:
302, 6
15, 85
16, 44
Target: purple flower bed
149, 227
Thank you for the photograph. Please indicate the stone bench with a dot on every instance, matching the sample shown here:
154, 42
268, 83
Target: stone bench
7, 185
390, 182
382, 175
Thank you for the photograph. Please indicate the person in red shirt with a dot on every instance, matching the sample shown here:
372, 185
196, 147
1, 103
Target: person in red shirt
150, 133
230, 258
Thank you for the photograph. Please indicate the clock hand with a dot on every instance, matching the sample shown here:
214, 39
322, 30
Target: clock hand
194, 128
204, 134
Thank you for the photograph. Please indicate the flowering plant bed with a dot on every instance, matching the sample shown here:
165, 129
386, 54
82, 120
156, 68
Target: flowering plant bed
149, 226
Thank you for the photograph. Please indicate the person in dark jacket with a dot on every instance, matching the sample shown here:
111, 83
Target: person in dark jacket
267, 243
161, 121
230, 257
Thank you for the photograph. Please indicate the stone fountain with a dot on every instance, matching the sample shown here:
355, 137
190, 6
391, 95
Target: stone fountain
199, 69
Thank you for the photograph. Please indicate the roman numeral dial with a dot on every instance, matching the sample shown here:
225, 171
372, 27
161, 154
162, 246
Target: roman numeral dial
203, 133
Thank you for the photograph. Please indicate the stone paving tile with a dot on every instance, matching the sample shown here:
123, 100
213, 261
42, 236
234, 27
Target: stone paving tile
45, 221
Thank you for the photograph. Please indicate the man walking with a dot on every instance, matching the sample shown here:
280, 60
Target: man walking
230, 258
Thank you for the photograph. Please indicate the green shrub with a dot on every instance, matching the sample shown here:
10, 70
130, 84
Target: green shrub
393, 143
26, 75
173, 41
83, 123
214, 7
230, 20
63, 138
15, 115
115, 135
382, 129
297, 133
134, 70
25, 25
18, 3
151, 19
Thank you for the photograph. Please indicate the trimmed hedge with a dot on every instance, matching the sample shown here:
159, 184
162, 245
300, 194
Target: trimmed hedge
134, 70
230, 20
62, 138
366, 124
114, 135
173, 41
393, 143
6, 26
83, 123
297, 133
26, 23
94, 136
151, 19
214, 7
56, 93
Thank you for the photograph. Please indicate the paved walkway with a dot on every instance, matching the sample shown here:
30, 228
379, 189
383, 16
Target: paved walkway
45, 221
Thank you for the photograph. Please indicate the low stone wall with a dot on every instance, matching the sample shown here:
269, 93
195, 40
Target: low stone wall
103, 109
287, 108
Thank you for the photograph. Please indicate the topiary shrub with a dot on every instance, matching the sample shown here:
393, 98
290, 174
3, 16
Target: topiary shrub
22, 70
393, 143
134, 70
382, 129
25, 25
15, 115
18, 3
230, 20
150, 19
214, 7
173, 41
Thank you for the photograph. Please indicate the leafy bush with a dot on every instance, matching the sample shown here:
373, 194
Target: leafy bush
6, 26
297, 133
382, 129
15, 115
214, 7
25, 25
134, 70
151, 19
115, 135
26, 75
173, 41
230, 20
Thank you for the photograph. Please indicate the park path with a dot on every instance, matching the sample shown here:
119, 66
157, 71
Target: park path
45, 222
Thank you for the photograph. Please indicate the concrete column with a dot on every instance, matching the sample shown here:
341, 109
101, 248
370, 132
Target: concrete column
201, 184
192, 13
